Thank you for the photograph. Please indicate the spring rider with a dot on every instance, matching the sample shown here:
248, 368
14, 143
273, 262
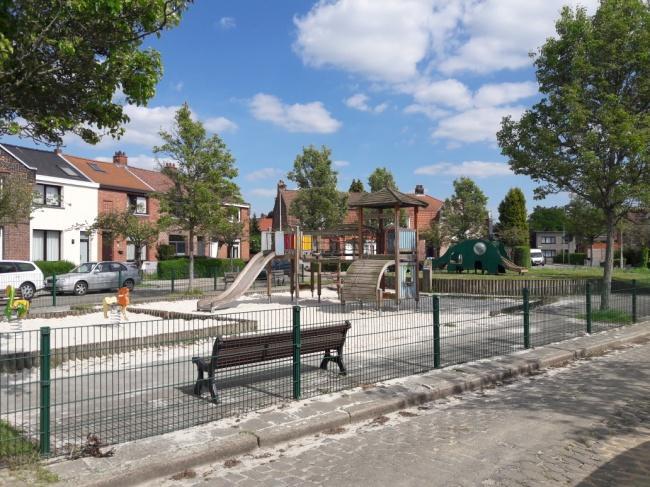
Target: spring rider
121, 301
15, 309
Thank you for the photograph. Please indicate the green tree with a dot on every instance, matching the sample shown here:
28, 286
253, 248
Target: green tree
513, 224
125, 225
318, 204
585, 222
590, 132
16, 199
63, 61
381, 178
356, 186
547, 219
255, 235
202, 180
465, 214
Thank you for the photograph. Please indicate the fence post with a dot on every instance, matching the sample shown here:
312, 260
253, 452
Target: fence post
634, 312
53, 289
214, 278
526, 318
119, 278
588, 307
296, 352
44, 422
436, 331
173, 278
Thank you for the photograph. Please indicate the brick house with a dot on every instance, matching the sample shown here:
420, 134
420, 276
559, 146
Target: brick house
203, 246
282, 217
13, 235
119, 189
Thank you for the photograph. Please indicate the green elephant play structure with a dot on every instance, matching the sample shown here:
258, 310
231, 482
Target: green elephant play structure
477, 255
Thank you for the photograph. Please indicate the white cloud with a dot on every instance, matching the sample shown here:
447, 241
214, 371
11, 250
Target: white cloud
430, 111
264, 173
359, 102
341, 163
449, 92
476, 169
178, 86
383, 40
492, 95
219, 124
227, 23
264, 192
308, 118
475, 125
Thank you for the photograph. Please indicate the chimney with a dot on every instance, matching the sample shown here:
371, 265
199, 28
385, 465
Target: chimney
419, 189
120, 158
281, 185
58, 151
169, 165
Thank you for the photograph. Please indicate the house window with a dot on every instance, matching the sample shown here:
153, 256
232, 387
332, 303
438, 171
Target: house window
138, 204
130, 252
178, 241
233, 250
548, 254
46, 195
46, 245
548, 239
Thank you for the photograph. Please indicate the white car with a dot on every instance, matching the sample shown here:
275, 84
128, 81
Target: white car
536, 257
23, 275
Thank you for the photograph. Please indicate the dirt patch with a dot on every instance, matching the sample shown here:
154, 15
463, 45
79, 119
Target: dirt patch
379, 420
335, 431
231, 462
406, 414
188, 473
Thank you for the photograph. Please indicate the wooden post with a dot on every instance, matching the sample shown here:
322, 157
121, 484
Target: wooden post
338, 278
396, 242
320, 268
269, 277
311, 277
292, 284
417, 254
360, 217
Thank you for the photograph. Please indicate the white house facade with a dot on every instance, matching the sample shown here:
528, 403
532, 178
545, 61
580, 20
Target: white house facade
65, 206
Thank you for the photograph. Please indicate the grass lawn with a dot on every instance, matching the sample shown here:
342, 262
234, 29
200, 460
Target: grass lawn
610, 316
642, 276
13, 444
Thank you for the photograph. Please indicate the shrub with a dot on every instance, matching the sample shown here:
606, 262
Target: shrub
165, 252
577, 258
645, 257
521, 255
203, 267
50, 267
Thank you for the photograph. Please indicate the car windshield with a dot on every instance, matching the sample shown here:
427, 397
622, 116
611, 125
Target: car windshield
536, 254
83, 268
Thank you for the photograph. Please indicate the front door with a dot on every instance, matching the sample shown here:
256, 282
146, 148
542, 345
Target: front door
107, 246
84, 247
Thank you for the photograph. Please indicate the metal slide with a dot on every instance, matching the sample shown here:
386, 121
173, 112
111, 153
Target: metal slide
244, 280
511, 266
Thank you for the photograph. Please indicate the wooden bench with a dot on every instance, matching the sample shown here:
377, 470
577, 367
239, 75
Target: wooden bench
235, 351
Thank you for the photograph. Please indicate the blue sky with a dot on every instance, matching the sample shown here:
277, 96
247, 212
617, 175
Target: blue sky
418, 86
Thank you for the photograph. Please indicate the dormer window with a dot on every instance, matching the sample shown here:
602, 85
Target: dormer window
46, 195
138, 204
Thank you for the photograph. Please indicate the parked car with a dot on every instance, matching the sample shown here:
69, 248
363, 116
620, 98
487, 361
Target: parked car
22, 275
536, 257
95, 276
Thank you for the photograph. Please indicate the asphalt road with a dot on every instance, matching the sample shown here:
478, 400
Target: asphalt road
584, 425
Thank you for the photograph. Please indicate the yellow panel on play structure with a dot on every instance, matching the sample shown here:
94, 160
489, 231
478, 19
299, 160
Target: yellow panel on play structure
306, 242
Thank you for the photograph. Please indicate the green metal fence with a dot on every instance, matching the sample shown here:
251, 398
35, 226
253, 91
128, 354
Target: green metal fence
60, 383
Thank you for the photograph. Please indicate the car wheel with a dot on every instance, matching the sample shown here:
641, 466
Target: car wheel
80, 288
129, 284
27, 290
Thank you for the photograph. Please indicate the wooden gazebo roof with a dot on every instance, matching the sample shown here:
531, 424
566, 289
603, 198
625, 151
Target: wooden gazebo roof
387, 198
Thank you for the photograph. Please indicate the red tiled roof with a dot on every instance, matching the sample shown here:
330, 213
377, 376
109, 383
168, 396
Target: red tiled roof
109, 174
155, 179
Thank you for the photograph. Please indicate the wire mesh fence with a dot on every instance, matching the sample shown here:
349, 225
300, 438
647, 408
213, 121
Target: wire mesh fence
124, 381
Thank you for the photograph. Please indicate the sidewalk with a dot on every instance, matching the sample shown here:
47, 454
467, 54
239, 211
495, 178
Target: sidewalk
168, 454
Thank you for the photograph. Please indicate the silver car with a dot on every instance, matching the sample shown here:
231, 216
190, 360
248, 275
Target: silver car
95, 276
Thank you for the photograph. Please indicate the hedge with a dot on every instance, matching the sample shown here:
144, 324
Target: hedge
50, 267
521, 255
203, 267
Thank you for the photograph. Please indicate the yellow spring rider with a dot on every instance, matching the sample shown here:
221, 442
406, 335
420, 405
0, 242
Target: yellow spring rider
15, 307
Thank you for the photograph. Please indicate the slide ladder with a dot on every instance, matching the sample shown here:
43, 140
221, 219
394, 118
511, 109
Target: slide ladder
245, 279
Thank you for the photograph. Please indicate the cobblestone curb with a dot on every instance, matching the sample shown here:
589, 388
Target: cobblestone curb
159, 457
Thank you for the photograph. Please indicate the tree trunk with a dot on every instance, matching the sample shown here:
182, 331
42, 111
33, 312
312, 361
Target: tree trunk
138, 253
191, 270
609, 263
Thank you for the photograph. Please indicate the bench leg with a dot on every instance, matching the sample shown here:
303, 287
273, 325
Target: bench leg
212, 386
339, 361
200, 380
326, 360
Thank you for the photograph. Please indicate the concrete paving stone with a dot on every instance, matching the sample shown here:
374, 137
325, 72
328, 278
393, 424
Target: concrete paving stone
303, 427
